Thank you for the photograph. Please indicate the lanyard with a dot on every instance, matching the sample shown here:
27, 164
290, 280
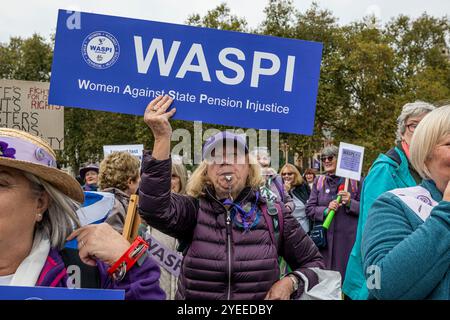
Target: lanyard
244, 214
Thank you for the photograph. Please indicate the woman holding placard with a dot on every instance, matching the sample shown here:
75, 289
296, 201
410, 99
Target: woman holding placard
341, 233
40, 234
233, 248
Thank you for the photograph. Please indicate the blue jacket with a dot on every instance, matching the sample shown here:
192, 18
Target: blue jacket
384, 175
412, 255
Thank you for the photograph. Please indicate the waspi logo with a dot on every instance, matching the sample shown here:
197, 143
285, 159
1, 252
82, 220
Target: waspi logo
100, 50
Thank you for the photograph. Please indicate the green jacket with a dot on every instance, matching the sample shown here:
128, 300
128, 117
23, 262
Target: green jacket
384, 175
411, 254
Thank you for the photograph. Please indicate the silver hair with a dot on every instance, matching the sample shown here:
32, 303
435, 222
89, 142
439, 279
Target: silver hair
413, 109
61, 218
330, 151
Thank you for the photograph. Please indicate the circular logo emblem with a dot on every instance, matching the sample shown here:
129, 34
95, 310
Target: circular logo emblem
100, 50
39, 154
424, 199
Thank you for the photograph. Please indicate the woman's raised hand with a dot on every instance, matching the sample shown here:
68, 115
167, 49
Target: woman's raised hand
157, 117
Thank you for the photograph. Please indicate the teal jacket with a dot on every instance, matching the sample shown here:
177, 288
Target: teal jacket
384, 175
412, 255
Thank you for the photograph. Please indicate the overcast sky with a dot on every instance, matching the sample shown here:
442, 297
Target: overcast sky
25, 17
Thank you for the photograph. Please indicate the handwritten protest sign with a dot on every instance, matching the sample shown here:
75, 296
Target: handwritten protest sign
119, 64
24, 106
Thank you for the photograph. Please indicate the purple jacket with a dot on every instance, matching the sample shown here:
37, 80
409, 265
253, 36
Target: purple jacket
342, 231
222, 262
140, 283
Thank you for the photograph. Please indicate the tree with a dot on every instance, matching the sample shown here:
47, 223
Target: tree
26, 59
368, 72
218, 18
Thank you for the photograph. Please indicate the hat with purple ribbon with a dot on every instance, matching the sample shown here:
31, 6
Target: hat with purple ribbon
23, 151
235, 140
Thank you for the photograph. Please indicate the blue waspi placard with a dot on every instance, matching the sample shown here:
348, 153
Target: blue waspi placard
222, 77
45, 293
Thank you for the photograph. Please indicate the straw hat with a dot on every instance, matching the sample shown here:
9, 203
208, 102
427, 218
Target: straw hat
23, 151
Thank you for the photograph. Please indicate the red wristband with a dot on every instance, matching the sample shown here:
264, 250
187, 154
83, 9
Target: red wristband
118, 270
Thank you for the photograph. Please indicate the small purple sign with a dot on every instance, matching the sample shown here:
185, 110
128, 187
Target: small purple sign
350, 160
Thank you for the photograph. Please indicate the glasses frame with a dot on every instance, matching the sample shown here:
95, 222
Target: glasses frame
325, 158
287, 174
413, 125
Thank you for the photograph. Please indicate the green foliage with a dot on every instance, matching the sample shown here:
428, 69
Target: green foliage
218, 18
26, 59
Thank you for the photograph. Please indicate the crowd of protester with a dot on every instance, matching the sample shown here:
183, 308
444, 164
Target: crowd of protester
244, 230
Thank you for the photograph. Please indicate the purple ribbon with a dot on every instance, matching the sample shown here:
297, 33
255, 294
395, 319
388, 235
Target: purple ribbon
28, 151
244, 214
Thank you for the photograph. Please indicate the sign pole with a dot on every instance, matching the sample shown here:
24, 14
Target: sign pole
132, 220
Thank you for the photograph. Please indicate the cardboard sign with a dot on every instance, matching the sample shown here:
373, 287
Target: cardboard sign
134, 149
24, 106
46, 293
222, 77
350, 161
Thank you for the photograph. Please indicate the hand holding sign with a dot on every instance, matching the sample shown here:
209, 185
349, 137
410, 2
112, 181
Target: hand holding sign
349, 166
157, 120
345, 196
333, 206
99, 241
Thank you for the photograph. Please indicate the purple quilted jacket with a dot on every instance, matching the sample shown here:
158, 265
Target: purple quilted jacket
222, 261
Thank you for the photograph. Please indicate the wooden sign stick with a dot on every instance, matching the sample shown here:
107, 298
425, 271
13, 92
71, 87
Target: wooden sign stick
132, 220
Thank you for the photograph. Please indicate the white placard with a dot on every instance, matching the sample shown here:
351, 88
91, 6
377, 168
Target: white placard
350, 161
133, 149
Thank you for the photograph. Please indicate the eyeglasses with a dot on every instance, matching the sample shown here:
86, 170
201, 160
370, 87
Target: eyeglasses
287, 174
411, 127
329, 158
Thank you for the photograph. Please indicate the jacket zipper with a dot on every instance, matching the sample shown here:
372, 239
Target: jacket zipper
228, 226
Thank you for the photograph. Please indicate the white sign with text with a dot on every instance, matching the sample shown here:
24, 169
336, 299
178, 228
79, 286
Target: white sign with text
350, 161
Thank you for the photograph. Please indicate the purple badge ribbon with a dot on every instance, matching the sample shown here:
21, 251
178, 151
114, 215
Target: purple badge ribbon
19, 149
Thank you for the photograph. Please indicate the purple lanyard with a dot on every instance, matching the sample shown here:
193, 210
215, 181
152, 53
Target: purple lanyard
245, 215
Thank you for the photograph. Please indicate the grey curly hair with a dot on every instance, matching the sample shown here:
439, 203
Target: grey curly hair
330, 151
413, 109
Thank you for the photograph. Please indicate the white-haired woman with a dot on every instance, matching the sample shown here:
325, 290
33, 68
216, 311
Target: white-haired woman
406, 241
38, 216
389, 171
232, 252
